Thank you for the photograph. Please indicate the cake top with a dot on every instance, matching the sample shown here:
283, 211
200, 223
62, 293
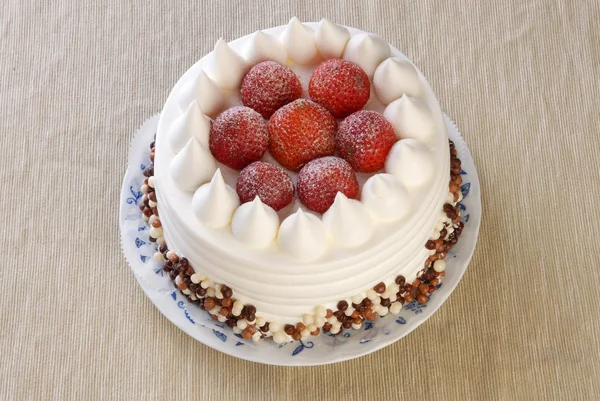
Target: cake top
305, 139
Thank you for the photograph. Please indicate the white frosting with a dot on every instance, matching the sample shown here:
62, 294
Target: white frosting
209, 95
299, 42
385, 197
348, 221
395, 77
411, 118
367, 50
255, 224
214, 203
282, 286
193, 166
264, 47
411, 163
225, 66
303, 236
191, 124
331, 39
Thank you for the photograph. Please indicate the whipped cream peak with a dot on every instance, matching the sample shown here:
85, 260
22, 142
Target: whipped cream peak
303, 236
385, 197
263, 47
225, 66
367, 50
348, 221
193, 166
411, 162
255, 224
299, 42
214, 203
209, 95
331, 39
393, 78
411, 118
192, 123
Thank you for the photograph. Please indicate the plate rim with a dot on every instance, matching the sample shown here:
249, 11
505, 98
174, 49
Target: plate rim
212, 342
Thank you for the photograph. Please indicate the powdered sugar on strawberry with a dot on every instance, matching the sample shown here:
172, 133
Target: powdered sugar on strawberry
321, 179
270, 183
364, 139
269, 86
238, 137
340, 86
300, 132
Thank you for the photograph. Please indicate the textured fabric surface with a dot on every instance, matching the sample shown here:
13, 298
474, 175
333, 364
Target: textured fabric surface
520, 78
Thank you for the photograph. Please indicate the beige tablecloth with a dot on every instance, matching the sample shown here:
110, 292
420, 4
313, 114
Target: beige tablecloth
520, 78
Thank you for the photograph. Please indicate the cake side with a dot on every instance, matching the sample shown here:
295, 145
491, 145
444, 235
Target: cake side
221, 302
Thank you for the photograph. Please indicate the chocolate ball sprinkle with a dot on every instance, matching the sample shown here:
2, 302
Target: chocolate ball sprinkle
379, 288
209, 303
342, 306
422, 298
289, 329
226, 291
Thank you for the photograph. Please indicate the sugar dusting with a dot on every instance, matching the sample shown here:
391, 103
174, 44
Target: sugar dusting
364, 139
300, 132
340, 86
238, 137
270, 183
269, 86
321, 179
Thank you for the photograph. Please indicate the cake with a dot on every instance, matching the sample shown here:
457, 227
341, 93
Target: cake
302, 181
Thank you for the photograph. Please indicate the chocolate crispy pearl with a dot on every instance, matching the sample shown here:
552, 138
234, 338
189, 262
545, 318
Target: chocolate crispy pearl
427, 283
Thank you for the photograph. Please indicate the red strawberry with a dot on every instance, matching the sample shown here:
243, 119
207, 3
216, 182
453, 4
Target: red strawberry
269, 182
300, 132
269, 86
340, 86
321, 179
238, 137
364, 140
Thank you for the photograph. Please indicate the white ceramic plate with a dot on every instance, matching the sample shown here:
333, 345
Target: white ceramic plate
318, 350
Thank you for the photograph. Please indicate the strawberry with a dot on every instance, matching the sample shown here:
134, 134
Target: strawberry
238, 137
269, 182
364, 140
269, 86
300, 132
340, 86
321, 179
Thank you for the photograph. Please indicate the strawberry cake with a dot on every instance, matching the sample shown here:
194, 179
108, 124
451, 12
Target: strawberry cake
302, 182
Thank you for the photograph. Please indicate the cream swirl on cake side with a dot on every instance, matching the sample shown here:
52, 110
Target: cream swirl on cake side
273, 273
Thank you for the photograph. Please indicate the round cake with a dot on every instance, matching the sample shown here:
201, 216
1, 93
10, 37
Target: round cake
303, 182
